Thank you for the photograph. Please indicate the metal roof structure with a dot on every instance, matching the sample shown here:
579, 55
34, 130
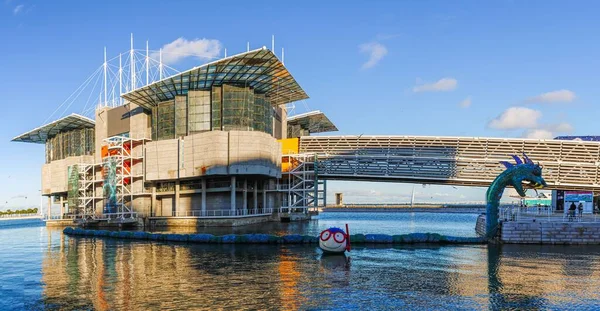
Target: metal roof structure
259, 69
579, 138
41, 134
314, 121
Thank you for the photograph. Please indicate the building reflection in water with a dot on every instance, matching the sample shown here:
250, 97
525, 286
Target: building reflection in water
108, 274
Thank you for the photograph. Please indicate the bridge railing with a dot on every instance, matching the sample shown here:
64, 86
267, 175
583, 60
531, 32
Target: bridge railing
19, 215
218, 213
544, 214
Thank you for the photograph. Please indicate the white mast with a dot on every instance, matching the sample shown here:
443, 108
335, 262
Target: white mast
147, 62
273, 43
105, 84
132, 65
160, 65
120, 80
225, 53
248, 46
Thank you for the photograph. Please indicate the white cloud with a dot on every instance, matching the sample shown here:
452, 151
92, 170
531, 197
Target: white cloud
442, 85
465, 103
376, 53
548, 131
538, 134
516, 118
18, 9
562, 127
181, 48
559, 96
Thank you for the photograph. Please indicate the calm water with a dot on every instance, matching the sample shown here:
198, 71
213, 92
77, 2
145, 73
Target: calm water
43, 269
386, 223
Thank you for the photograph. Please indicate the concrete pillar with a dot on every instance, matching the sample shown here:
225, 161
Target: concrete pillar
176, 196
324, 193
232, 195
245, 206
62, 207
49, 206
255, 206
265, 186
203, 208
153, 203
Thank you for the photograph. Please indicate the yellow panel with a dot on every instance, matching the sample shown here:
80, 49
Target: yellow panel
290, 145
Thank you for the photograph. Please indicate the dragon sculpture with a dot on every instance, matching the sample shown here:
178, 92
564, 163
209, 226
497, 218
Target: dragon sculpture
523, 174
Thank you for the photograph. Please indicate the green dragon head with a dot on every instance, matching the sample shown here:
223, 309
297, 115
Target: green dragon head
523, 174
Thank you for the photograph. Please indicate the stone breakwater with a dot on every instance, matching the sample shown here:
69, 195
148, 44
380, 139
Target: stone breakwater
412, 238
551, 232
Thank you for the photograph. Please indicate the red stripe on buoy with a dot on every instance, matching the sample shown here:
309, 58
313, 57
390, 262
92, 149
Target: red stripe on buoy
347, 238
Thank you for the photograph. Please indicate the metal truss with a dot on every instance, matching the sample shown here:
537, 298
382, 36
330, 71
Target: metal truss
461, 161
87, 192
299, 183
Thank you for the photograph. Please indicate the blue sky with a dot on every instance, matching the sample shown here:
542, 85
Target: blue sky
464, 68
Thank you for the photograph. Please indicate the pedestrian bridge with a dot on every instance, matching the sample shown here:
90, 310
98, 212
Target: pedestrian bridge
461, 161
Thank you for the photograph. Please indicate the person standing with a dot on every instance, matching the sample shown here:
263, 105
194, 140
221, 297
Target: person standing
572, 209
580, 209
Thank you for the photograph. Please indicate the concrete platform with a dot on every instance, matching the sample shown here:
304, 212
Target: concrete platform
59, 223
166, 222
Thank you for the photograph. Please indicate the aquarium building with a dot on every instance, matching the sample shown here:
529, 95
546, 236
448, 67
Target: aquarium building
204, 144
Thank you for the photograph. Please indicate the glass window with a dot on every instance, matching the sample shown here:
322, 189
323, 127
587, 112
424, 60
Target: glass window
166, 120
181, 115
238, 108
71, 143
199, 111
216, 108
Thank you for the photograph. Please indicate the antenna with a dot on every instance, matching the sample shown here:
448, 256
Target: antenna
120, 80
105, 84
147, 60
132, 61
273, 43
225, 52
248, 46
160, 65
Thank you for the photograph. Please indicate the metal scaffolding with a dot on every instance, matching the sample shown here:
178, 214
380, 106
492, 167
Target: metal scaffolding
109, 182
299, 184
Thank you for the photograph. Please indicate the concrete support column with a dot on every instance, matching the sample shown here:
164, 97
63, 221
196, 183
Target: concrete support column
324, 193
255, 206
203, 207
245, 206
264, 193
62, 207
232, 195
153, 203
176, 197
49, 206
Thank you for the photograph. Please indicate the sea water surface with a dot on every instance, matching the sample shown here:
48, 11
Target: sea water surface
44, 269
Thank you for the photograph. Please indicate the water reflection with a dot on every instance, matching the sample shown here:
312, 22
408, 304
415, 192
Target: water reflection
106, 274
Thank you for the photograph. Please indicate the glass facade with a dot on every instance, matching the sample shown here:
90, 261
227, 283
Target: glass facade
217, 116
181, 114
238, 108
165, 123
198, 111
227, 107
70, 143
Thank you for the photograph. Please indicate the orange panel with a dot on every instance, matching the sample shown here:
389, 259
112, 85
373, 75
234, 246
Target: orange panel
290, 145
104, 151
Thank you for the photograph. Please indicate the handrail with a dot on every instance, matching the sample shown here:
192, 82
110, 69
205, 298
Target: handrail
217, 213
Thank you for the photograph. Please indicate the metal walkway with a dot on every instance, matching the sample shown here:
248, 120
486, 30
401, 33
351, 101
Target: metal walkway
464, 161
